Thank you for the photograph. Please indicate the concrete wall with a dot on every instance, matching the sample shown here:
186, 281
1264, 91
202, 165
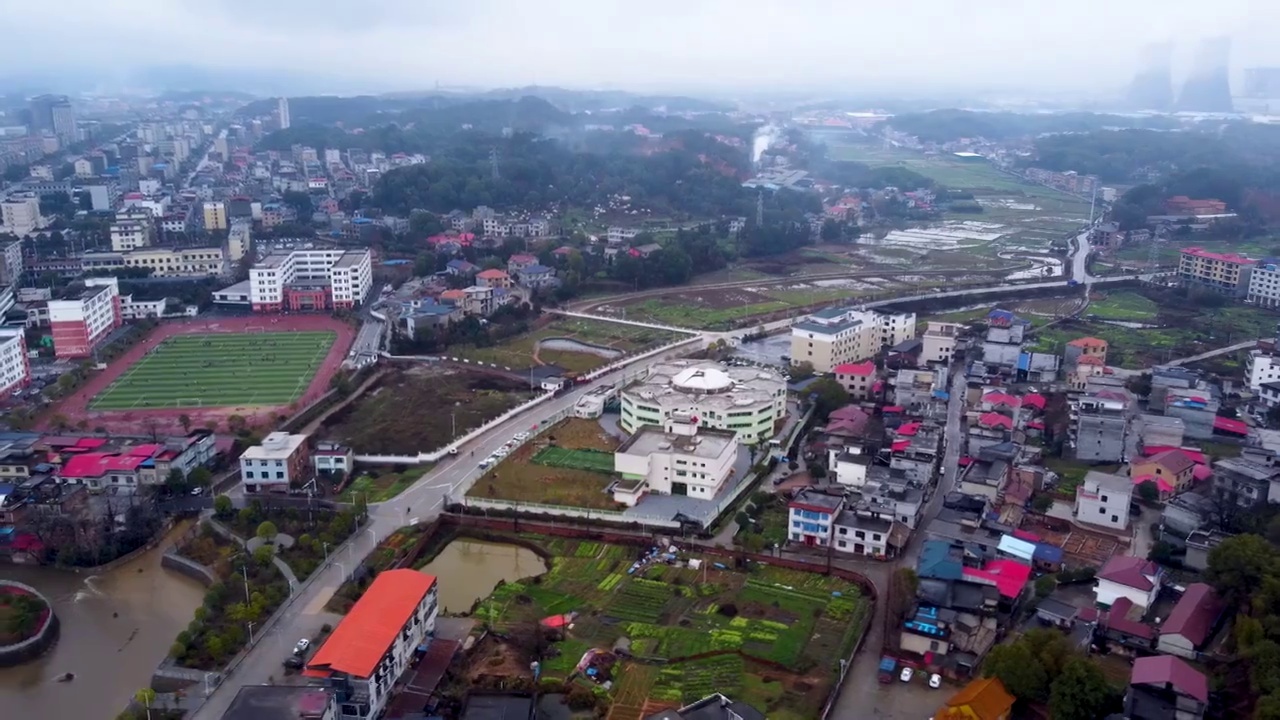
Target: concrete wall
34, 646
190, 568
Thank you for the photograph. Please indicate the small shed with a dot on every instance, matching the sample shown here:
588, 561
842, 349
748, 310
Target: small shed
1056, 612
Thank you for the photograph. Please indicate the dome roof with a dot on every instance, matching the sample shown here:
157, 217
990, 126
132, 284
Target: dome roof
702, 379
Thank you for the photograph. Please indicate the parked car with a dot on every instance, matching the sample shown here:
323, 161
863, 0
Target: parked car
522, 436
935, 681
301, 647
197, 491
906, 675
293, 662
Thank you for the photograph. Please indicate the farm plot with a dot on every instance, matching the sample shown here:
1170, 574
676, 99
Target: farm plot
704, 629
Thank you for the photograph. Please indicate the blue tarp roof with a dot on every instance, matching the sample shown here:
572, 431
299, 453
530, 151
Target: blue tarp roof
942, 394
936, 561
1048, 553
1024, 361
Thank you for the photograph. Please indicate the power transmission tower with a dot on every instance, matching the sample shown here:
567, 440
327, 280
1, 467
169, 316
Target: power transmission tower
1153, 258
760, 209
493, 163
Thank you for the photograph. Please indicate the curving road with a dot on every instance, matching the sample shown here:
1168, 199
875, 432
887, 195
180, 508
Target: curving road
424, 500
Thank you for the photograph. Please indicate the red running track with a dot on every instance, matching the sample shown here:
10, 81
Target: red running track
144, 422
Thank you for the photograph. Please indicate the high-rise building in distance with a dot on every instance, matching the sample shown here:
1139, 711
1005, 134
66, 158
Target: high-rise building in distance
1208, 86
54, 114
1152, 85
282, 109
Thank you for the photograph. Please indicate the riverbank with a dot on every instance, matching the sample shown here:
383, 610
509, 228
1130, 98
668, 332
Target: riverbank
28, 625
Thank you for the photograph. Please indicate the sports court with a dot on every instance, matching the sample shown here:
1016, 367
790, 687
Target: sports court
592, 460
250, 368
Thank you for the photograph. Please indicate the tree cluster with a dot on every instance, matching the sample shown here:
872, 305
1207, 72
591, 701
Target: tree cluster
1245, 570
1041, 667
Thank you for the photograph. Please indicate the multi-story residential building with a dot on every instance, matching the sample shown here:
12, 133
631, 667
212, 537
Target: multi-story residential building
618, 234
1264, 283
83, 320
676, 459
857, 378
1100, 425
1183, 205
239, 240
331, 457
837, 336
215, 216
276, 464
103, 196
938, 344
1245, 483
1103, 500
131, 234
811, 515
15, 368
376, 641
746, 401
11, 263
1260, 367
494, 279
311, 280
1086, 347
20, 214
1163, 687
1227, 273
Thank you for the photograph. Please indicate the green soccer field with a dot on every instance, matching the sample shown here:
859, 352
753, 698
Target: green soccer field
592, 460
220, 370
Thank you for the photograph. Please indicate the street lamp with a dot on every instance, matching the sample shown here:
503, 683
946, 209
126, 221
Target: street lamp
250, 634
342, 568
326, 550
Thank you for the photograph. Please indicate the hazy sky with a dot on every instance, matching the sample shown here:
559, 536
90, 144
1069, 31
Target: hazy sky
656, 44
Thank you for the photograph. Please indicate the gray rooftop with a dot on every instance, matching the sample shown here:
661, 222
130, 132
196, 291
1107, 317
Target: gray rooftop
709, 385
277, 702
349, 259
1118, 483
707, 443
818, 499
274, 260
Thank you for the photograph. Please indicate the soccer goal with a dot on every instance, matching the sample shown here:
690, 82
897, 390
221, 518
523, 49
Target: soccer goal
255, 328
189, 402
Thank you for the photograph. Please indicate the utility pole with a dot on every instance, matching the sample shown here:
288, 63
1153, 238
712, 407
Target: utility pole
760, 208
493, 163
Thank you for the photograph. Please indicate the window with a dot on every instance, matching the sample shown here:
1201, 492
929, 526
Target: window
860, 535
1115, 519
279, 475
248, 474
1103, 497
1102, 511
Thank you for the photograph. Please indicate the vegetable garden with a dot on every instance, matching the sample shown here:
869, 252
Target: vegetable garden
768, 635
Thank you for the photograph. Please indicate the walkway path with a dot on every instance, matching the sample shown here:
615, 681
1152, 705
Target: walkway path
281, 565
1212, 353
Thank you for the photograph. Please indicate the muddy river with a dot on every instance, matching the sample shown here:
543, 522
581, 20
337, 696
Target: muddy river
469, 570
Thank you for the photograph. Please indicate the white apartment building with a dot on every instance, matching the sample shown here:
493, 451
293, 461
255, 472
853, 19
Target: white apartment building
677, 459
82, 321
747, 401
1261, 367
21, 214
374, 643
281, 459
1264, 285
618, 234
811, 515
837, 336
311, 280
129, 235
938, 344
239, 240
215, 215
1103, 500
15, 368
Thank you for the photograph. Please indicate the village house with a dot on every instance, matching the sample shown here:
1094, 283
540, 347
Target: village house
1171, 471
856, 378
1125, 576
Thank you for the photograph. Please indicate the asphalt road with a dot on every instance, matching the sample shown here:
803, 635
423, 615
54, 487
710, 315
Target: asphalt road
420, 503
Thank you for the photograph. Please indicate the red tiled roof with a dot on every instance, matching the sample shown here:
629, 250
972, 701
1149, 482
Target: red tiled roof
364, 635
92, 465
850, 412
1118, 619
90, 442
1224, 257
1009, 576
1088, 342
909, 429
863, 369
1235, 427
1026, 535
1090, 360
493, 274
1129, 571
1035, 425
1195, 455
1167, 670
145, 451
1175, 461
999, 398
1202, 472
994, 420
891, 409
900, 445
1035, 400
1194, 615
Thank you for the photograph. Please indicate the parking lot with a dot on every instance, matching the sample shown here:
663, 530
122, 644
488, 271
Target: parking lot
908, 701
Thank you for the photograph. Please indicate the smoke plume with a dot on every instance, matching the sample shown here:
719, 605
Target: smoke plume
762, 140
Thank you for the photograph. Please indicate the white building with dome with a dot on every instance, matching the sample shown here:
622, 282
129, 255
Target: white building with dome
748, 401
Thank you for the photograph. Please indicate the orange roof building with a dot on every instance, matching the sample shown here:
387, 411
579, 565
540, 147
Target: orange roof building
982, 699
374, 643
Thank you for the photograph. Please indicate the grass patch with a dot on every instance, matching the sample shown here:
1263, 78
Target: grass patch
521, 477
381, 488
1126, 306
220, 370
592, 460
